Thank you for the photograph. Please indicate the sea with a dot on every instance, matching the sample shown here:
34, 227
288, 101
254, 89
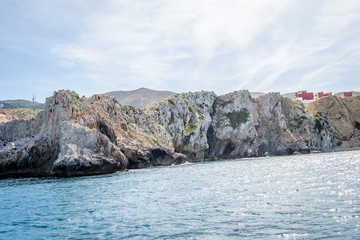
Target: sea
312, 196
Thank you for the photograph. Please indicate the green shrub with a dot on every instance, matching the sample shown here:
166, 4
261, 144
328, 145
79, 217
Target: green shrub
357, 125
124, 127
190, 128
223, 104
193, 110
171, 101
238, 117
318, 126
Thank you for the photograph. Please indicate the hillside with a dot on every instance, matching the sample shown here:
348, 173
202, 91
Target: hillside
290, 95
7, 115
139, 97
21, 103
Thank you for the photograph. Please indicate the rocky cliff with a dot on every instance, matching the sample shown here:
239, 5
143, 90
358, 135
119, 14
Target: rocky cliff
78, 136
186, 117
342, 115
243, 126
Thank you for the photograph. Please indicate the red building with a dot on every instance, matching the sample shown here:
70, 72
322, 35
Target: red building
311, 96
304, 95
321, 94
347, 94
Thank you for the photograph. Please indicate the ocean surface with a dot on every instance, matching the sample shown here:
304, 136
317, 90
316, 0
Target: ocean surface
313, 196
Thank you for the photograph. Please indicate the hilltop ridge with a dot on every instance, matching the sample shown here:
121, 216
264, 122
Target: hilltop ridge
21, 103
139, 97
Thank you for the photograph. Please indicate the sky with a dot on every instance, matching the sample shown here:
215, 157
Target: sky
97, 46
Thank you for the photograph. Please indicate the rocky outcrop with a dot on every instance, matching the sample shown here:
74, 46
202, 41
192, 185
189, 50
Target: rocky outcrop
243, 126
233, 128
186, 117
78, 136
342, 115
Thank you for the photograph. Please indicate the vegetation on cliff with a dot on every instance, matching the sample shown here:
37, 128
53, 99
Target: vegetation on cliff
78, 136
238, 117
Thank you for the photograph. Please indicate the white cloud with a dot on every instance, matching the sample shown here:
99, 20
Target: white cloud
220, 45
321, 45
147, 39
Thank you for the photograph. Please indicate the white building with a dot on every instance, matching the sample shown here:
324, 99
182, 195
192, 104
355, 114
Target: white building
1, 106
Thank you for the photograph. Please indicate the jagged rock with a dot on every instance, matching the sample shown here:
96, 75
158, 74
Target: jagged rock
77, 136
342, 115
136, 134
233, 128
243, 126
186, 117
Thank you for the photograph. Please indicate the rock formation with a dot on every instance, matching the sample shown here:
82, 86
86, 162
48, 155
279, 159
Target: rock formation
186, 117
342, 115
77, 136
243, 126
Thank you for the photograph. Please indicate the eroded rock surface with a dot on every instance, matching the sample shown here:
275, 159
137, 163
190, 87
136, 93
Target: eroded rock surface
342, 116
186, 117
76, 136
270, 124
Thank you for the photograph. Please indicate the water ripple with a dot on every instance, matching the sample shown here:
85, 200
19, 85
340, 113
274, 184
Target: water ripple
293, 197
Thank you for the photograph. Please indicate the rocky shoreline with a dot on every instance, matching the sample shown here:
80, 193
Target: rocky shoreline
76, 136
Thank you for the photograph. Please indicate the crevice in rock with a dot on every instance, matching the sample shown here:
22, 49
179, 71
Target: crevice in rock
210, 134
107, 131
228, 149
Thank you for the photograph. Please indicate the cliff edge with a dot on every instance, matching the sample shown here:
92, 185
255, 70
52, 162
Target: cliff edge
76, 136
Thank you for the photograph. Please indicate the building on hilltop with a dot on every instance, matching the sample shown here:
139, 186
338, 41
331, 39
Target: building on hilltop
304, 95
347, 94
321, 94
1, 105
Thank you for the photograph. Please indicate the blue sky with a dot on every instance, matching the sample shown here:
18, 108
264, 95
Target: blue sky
99, 46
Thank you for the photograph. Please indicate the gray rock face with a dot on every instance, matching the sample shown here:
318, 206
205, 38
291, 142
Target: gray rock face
342, 116
270, 124
233, 128
77, 136
286, 127
186, 117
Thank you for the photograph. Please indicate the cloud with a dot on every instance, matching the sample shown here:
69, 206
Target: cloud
319, 45
221, 45
164, 42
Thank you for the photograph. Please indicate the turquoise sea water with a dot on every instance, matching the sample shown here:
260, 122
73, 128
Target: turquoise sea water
294, 197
